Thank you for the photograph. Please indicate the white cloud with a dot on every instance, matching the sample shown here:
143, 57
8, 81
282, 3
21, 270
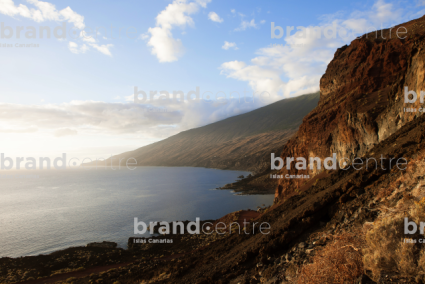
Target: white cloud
384, 11
260, 79
19, 130
419, 12
295, 64
103, 48
233, 11
262, 21
87, 38
45, 12
283, 70
143, 36
245, 24
129, 98
203, 3
84, 117
75, 48
228, 45
214, 17
177, 14
65, 132
164, 46
129, 119
83, 48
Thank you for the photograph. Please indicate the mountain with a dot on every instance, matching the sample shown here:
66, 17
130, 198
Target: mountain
340, 226
241, 142
361, 100
316, 236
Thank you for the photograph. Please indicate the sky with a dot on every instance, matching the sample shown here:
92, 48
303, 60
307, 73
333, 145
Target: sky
72, 91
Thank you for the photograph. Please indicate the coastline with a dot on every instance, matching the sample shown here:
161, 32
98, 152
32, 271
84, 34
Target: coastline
106, 257
111, 199
253, 184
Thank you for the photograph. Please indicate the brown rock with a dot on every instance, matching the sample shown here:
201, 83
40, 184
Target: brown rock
361, 101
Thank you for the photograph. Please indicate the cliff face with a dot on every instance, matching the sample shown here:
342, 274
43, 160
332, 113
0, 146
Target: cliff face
361, 100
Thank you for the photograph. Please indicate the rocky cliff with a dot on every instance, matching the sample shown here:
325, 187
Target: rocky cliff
329, 232
361, 100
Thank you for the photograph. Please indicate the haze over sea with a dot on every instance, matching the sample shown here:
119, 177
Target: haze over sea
73, 207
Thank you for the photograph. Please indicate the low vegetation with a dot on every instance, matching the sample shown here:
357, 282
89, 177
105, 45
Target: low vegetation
338, 262
389, 250
381, 249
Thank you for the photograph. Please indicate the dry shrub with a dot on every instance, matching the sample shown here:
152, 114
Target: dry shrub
383, 240
384, 192
406, 258
339, 261
421, 261
386, 250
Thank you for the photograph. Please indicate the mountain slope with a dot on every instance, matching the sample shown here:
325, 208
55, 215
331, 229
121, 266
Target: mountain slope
242, 142
335, 203
361, 100
301, 226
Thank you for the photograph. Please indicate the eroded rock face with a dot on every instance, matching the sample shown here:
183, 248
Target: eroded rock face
361, 100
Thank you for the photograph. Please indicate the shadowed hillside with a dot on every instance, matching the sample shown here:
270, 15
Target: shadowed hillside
242, 142
354, 224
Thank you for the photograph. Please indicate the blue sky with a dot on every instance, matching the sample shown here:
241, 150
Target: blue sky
75, 94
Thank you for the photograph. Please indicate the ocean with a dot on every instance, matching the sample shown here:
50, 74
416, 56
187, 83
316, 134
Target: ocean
42, 211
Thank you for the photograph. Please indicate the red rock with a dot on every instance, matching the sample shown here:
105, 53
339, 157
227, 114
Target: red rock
361, 100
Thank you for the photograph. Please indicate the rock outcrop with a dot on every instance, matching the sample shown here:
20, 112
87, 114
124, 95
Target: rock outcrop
312, 223
103, 244
361, 100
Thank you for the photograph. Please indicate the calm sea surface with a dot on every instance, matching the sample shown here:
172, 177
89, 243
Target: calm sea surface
63, 208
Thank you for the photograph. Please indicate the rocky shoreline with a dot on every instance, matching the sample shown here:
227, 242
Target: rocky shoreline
253, 184
341, 226
105, 258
